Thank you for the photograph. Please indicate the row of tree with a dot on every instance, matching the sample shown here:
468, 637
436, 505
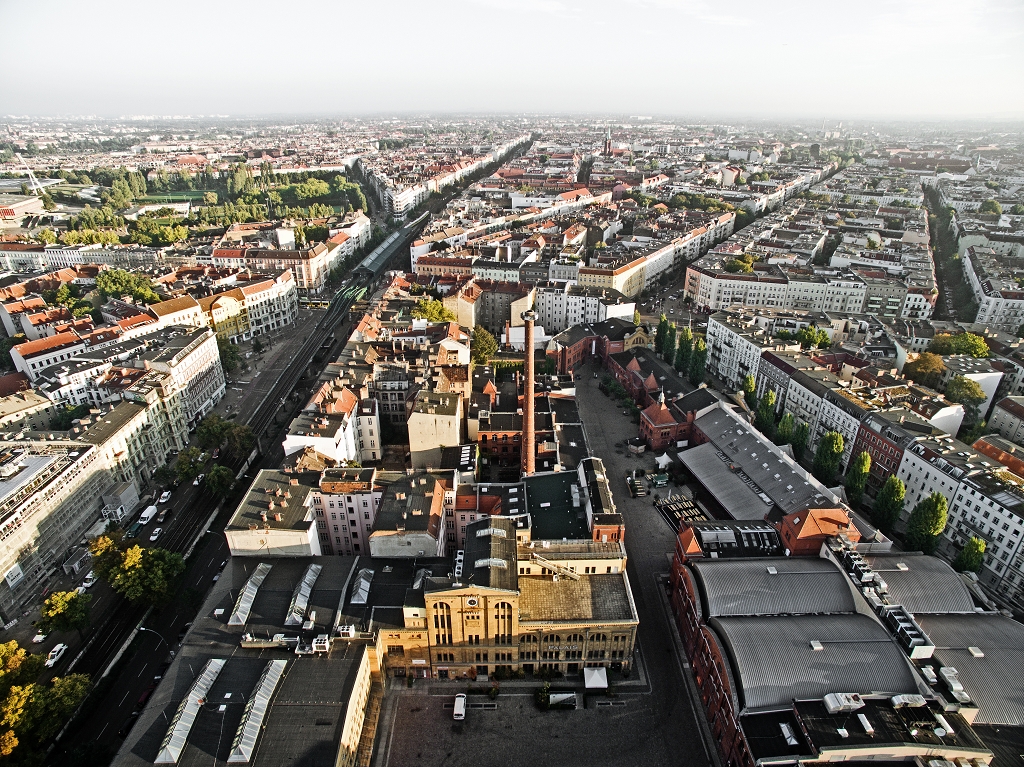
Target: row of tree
681, 349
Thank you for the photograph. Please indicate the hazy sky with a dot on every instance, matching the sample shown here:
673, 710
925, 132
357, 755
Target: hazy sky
788, 58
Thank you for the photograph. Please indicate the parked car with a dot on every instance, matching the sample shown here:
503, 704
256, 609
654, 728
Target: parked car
165, 496
90, 580
129, 723
216, 453
198, 479
156, 534
39, 638
55, 655
133, 531
80, 590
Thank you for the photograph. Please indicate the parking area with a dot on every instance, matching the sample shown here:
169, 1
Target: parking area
608, 731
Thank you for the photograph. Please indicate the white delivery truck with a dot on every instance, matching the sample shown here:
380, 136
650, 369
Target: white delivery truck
148, 515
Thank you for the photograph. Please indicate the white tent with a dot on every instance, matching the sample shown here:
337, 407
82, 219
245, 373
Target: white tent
595, 678
663, 461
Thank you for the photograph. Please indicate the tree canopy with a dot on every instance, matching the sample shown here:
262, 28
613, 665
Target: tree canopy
959, 343
968, 393
32, 713
926, 523
684, 349
115, 283
698, 362
926, 370
219, 480
432, 310
828, 457
991, 206
483, 346
764, 418
971, 556
65, 611
188, 466
230, 358
888, 506
857, 478
146, 576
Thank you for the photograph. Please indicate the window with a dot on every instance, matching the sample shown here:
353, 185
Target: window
396, 650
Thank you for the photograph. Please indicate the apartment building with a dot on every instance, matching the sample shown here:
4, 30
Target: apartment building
51, 497
1008, 419
559, 306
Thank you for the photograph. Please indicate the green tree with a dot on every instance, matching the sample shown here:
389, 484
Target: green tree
239, 441
888, 506
432, 310
959, 343
106, 551
764, 417
219, 481
53, 706
188, 465
65, 611
698, 362
483, 346
926, 370
660, 334
668, 352
971, 556
801, 436
230, 358
209, 198
46, 236
684, 349
211, 431
257, 346
784, 431
636, 317
749, 388
828, 457
969, 394
1017, 209
115, 283
991, 206
164, 475
147, 576
926, 523
857, 478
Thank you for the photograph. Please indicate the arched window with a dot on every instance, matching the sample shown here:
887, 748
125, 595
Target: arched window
442, 623
503, 623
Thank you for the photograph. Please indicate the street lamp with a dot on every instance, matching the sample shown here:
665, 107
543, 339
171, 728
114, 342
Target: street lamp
160, 637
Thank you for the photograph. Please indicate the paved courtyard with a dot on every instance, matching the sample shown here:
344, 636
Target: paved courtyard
658, 723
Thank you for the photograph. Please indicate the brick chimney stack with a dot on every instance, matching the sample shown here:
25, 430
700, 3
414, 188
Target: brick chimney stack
529, 437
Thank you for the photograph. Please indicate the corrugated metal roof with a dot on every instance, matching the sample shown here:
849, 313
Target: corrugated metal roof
922, 584
797, 586
996, 681
774, 662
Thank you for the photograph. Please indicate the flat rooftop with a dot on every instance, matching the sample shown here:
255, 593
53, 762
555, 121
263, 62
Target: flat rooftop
272, 486
550, 503
303, 717
602, 597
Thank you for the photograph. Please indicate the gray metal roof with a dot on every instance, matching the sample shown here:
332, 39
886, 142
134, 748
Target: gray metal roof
774, 662
735, 496
995, 681
773, 586
922, 584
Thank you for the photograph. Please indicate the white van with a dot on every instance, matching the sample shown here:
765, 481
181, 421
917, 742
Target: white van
148, 514
460, 706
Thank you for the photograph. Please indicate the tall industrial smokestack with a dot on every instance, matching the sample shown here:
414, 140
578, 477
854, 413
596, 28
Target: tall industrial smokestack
529, 437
